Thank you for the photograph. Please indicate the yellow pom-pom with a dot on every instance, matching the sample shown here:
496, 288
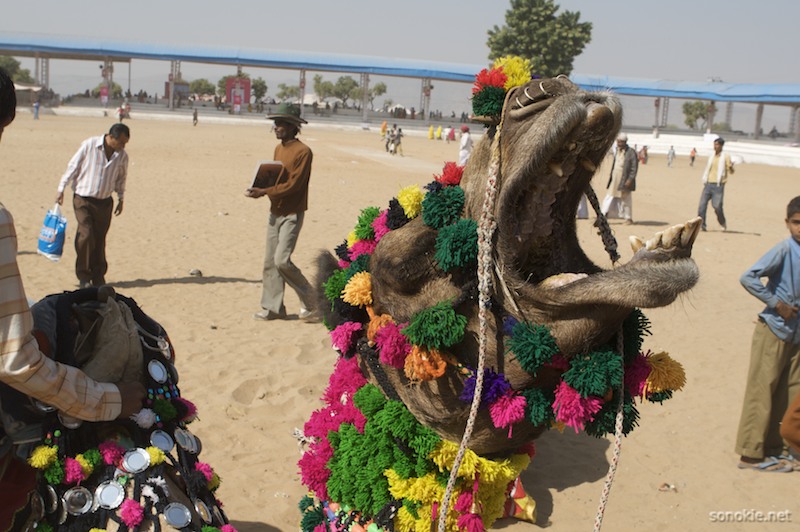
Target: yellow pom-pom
410, 198
351, 238
358, 291
214, 482
43, 456
516, 69
97, 530
156, 455
665, 374
86, 467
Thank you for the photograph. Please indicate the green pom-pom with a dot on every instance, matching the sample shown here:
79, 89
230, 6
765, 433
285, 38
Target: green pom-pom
457, 244
93, 456
305, 503
605, 420
436, 327
335, 284
443, 207
165, 409
364, 230
369, 400
634, 328
311, 519
488, 101
595, 373
44, 527
539, 406
659, 397
209, 528
532, 345
54, 474
361, 264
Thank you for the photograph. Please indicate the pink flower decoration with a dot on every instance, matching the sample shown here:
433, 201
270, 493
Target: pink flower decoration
379, 225
508, 409
331, 417
345, 380
111, 452
131, 513
314, 470
228, 528
361, 247
191, 409
73, 473
572, 409
205, 469
393, 345
636, 374
343, 336
471, 523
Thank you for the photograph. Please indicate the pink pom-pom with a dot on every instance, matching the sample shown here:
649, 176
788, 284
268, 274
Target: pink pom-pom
572, 409
379, 225
471, 523
361, 247
313, 468
131, 513
322, 527
111, 452
464, 503
508, 409
191, 409
73, 472
228, 528
331, 417
343, 264
393, 345
205, 469
343, 336
636, 374
345, 380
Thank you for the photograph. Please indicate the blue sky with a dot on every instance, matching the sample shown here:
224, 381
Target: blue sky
693, 40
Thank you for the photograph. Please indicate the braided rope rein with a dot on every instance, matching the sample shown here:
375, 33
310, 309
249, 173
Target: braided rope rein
612, 467
486, 229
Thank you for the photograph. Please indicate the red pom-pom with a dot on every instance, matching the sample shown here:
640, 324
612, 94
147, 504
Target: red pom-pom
489, 78
451, 174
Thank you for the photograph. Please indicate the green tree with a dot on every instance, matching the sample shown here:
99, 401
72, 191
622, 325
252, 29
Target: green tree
696, 111
13, 67
202, 86
221, 84
259, 87
379, 89
344, 87
535, 32
323, 89
286, 92
115, 92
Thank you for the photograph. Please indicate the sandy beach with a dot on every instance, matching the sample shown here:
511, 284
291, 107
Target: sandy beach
254, 382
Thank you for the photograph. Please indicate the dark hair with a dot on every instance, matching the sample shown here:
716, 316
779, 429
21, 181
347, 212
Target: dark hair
119, 129
8, 99
793, 207
720, 140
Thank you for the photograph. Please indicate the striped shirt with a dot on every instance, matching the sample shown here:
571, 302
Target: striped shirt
92, 174
23, 366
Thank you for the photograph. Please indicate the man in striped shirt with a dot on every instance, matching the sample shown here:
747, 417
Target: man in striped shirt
99, 168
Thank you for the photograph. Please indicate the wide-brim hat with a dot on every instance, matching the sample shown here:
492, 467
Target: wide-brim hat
288, 112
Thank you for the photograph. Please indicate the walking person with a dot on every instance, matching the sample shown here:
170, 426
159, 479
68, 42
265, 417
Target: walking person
288, 204
718, 168
465, 146
97, 170
773, 379
670, 156
194, 117
622, 181
692, 157
397, 143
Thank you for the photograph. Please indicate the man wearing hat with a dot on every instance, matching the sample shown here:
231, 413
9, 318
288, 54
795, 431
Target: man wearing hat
622, 181
288, 203
715, 176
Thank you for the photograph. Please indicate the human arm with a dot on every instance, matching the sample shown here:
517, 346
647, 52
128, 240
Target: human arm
120, 182
295, 175
73, 170
767, 266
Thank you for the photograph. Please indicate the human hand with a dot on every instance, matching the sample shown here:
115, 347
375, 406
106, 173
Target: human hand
60, 198
132, 395
118, 210
255, 192
786, 311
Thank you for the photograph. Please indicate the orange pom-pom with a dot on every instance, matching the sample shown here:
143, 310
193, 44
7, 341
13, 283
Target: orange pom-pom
424, 364
376, 323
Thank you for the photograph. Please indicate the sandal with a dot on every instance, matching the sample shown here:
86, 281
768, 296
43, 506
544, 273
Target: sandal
789, 459
768, 465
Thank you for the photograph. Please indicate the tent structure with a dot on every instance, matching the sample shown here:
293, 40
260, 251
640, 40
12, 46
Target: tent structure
46, 47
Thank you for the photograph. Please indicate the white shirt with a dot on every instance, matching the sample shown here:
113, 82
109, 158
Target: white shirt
92, 174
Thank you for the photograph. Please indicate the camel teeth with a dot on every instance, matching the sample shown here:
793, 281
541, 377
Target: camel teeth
636, 243
690, 230
556, 168
654, 242
589, 165
671, 236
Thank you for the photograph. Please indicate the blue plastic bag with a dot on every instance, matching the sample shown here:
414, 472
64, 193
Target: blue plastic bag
51, 237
